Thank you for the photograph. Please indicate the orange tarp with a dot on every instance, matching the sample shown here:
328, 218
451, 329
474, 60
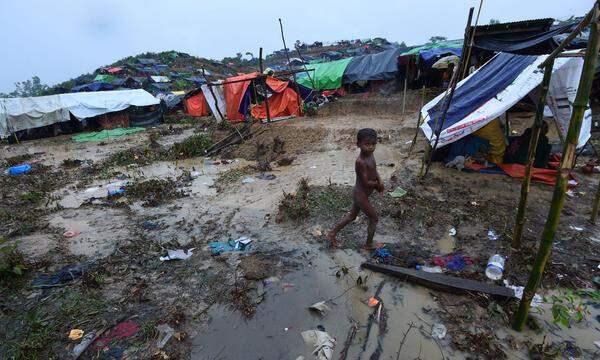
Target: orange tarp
234, 94
196, 105
544, 176
283, 103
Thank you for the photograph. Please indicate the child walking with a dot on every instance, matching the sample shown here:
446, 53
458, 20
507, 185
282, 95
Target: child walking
367, 180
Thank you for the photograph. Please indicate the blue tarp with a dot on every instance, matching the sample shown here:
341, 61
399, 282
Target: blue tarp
95, 86
430, 56
483, 85
380, 66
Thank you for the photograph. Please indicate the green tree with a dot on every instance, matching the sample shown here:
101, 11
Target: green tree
27, 88
494, 21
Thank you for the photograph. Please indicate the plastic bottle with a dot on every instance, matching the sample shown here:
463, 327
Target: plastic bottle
19, 169
495, 267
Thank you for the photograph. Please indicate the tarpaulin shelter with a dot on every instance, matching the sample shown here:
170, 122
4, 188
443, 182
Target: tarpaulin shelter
380, 66
528, 37
114, 70
431, 52
104, 78
284, 101
27, 113
498, 85
326, 75
95, 86
195, 103
237, 98
216, 103
160, 79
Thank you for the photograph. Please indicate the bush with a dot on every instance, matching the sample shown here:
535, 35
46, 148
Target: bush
11, 260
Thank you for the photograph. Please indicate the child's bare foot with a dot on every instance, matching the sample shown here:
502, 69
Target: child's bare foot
332, 239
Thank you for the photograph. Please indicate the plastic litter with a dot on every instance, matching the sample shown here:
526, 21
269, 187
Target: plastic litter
270, 280
248, 180
165, 334
535, 302
123, 330
452, 232
150, 225
71, 233
430, 269
495, 267
84, 344
287, 286
321, 341
438, 331
381, 254
453, 262
240, 244
62, 276
319, 307
492, 235
19, 169
113, 190
178, 254
373, 302
265, 176
398, 192
75, 334
576, 228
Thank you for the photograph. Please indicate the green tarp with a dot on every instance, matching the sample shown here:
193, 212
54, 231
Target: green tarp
104, 78
452, 44
105, 134
327, 75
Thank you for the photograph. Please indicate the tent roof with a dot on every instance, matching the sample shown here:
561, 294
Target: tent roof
326, 75
492, 90
380, 66
449, 44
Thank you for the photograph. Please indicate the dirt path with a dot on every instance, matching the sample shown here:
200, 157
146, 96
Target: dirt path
253, 304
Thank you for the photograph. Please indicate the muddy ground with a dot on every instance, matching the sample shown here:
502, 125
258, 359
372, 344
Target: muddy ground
253, 303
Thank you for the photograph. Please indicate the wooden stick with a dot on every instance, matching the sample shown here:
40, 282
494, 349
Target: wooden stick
414, 140
260, 66
287, 55
404, 96
584, 22
535, 135
307, 71
562, 178
473, 30
465, 48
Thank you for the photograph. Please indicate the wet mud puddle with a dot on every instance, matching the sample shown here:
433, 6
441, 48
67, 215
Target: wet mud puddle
274, 332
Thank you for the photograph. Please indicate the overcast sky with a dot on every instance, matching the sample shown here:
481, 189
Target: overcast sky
60, 39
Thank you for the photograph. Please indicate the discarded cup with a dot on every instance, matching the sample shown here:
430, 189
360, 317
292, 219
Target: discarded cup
495, 267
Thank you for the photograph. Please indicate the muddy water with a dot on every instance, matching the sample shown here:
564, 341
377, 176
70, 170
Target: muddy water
274, 332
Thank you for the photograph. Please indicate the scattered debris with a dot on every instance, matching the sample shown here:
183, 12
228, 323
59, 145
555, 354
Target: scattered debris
430, 269
320, 307
373, 301
438, 331
123, 330
178, 254
75, 334
19, 169
492, 235
71, 233
285, 161
452, 232
398, 192
248, 180
535, 302
62, 276
150, 225
321, 341
265, 176
495, 267
576, 228
83, 345
165, 334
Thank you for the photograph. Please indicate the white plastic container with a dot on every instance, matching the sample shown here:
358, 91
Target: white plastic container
495, 267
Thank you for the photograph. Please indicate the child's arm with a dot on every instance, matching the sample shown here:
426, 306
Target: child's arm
380, 187
362, 173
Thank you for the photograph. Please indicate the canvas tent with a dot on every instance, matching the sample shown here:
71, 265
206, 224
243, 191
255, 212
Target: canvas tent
498, 85
326, 76
284, 101
431, 52
195, 103
236, 95
27, 113
380, 66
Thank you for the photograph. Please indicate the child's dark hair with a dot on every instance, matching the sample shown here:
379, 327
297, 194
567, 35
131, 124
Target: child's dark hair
364, 134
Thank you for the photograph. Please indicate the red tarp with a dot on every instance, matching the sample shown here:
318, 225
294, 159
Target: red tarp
114, 70
545, 176
234, 93
283, 103
196, 105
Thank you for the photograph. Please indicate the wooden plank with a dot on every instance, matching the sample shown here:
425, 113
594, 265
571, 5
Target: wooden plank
442, 282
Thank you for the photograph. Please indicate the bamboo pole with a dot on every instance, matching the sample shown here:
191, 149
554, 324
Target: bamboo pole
596, 206
304, 66
414, 140
562, 178
472, 31
535, 135
260, 67
465, 47
287, 55
437, 130
404, 97
209, 85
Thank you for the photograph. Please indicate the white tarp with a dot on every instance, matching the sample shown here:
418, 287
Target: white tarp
218, 91
564, 82
27, 113
160, 79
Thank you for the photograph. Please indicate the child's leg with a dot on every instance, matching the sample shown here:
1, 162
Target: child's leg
348, 218
369, 210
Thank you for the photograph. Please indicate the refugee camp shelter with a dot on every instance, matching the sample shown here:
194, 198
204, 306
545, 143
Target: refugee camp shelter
195, 103
18, 114
498, 85
380, 66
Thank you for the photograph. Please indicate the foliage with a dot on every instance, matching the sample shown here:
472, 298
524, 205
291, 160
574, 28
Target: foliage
295, 206
567, 306
191, 147
568, 20
11, 260
27, 88
437, 39
494, 21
